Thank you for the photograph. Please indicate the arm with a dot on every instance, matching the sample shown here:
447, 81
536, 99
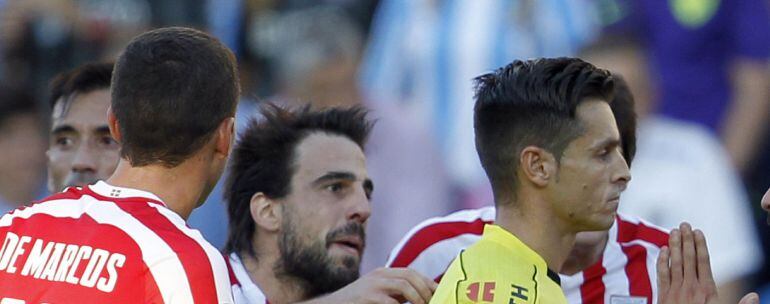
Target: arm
748, 112
383, 285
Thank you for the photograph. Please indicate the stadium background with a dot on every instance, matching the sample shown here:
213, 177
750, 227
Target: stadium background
411, 62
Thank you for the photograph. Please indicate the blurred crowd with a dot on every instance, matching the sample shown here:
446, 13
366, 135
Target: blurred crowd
699, 71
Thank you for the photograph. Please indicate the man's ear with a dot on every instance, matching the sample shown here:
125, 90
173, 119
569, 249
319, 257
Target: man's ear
225, 137
266, 212
112, 123
537, 165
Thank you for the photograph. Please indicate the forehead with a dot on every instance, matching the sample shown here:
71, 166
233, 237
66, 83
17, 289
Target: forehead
598, 122
84, 109
319, 153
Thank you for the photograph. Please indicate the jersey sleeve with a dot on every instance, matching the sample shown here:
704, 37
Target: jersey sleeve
474, 278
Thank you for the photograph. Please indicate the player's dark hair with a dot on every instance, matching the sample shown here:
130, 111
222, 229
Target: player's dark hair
171, 89
622, 106
81, 80
531, 103
263, 159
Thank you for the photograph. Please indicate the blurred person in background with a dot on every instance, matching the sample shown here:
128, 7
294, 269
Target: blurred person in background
709, 62
40, 38
316, 61
22, 149
81, 150
422, 53
682, 173
299, 200
255, 30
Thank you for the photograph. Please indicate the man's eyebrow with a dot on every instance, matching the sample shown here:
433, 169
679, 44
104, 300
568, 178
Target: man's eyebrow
334, 175
102, 129
63, 129
609, 142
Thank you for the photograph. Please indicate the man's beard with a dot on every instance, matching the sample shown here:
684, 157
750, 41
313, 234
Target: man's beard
312, 265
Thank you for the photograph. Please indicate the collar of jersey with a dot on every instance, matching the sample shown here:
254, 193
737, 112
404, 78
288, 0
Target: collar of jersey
104, 189
501, 236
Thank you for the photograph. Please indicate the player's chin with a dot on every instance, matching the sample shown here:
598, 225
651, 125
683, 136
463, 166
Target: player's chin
599, 222
346, 261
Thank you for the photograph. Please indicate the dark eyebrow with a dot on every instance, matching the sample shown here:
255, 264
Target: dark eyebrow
609, 142
63, 129
102, 129
330, 176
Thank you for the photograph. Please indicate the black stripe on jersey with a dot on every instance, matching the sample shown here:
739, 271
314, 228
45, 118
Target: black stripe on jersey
534, 279
465, 277
554, 276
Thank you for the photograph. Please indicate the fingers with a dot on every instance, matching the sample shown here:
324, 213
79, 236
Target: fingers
675, 253
703, 259
690, 274
664, 274
400, 287
751, 298
408, 284
424, 286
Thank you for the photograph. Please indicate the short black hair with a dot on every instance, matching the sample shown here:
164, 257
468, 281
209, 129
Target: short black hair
263, 159
531, 103
171, 89
81, 80
625, 117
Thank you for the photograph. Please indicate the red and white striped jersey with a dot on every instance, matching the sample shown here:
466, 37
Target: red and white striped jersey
105, 244
624, 275
244, 290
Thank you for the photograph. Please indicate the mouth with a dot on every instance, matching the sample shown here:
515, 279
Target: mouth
614, 202
76, 184
352, 244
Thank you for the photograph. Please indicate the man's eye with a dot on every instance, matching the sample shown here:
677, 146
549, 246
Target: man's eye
63, 142
336, 187
107, 141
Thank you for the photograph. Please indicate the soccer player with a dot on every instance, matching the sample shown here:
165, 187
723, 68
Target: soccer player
299, 200
602, 265
548, 140
174, 93
81, 150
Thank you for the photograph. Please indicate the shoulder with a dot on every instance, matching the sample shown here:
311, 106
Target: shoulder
631, 228
438, 229
478, 274
243, 289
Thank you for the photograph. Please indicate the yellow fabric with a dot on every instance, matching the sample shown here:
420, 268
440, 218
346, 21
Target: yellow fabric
498, 269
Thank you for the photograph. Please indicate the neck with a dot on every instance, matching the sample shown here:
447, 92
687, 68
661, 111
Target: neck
278, 288
181, 188
538, 228
586, 252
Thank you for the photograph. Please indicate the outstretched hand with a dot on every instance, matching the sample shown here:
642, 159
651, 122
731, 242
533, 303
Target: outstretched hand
684, 270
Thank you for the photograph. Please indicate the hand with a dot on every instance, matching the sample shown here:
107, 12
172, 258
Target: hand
384, 285
751, 298
684, 269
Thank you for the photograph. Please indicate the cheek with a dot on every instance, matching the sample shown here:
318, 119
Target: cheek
59, 162
109, 161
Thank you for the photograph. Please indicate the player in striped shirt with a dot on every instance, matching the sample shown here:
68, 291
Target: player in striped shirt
124, 240
605, 266
299, 200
